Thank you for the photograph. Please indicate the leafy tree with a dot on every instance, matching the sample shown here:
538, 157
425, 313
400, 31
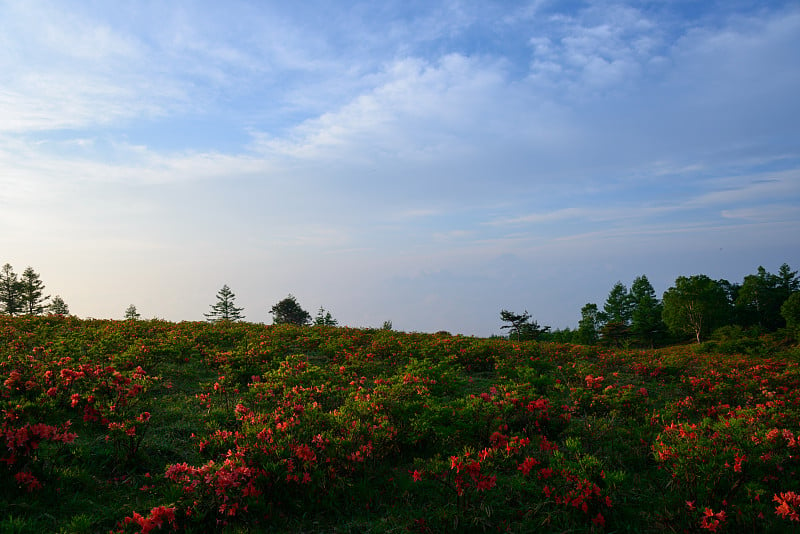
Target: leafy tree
224, 309
522, 325
10, 291
589, 325
618, 307
288, 311
324, 318
646, 323
790, 310
694, 305
387, 325
131, 313
31, 290
566, 335
760, 299
58, 306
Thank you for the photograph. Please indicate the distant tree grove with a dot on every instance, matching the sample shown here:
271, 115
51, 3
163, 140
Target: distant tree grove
24, 295
695, 308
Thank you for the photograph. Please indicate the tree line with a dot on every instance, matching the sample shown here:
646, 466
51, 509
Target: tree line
287, 311
24, 295
693, 308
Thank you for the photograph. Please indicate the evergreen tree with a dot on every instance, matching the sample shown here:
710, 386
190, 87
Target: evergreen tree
131, 313
618, 307
615, 334
324, 318
10, 291
32, 289
589, 325
58, 306
288, 311
522, 325
646, 323
761, 296
224, 309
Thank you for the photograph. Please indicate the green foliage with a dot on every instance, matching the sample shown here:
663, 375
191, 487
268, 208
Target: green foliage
790, 310
10, 291
32, 292
522, 325
131, 313
615, 334
288, 311
589, 325
225, 309
761, 295
58, 306
694, 305
647, 327
619, 305
324, 318
119, 426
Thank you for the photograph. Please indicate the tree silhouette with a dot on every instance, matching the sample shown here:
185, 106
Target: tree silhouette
522, 325
10, 291
224, 309
131, 313
58, 306
288, 311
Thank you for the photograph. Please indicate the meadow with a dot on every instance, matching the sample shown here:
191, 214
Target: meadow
153, 426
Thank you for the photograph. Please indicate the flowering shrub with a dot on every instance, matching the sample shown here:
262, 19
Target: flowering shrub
197, 427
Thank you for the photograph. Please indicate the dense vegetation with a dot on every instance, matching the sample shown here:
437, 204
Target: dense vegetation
140, 426
696, 307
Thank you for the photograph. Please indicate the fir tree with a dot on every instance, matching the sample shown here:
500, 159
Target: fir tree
224, 309
32, 290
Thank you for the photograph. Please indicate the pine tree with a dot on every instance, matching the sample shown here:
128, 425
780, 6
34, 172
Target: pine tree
646, 323
324, 318
10, 291
618, 307
131, 313
224, 309
58, 306
32, 289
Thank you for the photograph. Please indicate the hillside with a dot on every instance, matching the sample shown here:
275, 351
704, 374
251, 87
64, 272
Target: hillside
139, 426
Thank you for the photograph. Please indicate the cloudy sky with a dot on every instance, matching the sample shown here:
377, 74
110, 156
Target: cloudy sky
423, 162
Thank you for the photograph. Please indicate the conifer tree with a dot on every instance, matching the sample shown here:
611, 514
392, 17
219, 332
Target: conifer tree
224, 309
58, 306
10, 291
32, 288
324, 318
131, 313
646, 323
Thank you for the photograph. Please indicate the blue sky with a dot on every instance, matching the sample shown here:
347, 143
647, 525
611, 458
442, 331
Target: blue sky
428, 163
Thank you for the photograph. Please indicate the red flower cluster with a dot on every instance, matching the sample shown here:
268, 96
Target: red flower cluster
788, 505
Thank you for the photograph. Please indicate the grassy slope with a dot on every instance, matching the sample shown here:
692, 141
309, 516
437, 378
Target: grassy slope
645, 439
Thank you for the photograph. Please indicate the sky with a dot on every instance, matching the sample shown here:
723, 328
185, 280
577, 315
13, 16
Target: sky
425, 162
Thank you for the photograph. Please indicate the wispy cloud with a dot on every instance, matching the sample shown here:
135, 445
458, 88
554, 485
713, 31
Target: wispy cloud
396, 137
